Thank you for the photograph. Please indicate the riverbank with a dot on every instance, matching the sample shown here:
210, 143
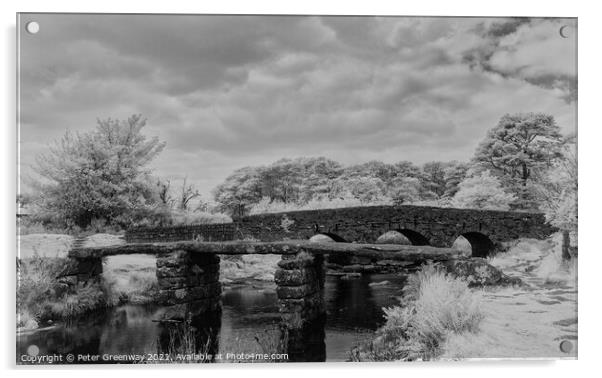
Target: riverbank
531, 320
520, 321
43, 298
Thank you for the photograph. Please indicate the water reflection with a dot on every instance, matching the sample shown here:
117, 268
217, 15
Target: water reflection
358, 303
248, 324
197, 335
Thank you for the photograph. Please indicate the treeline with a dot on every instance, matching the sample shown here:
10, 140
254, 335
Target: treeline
305, 179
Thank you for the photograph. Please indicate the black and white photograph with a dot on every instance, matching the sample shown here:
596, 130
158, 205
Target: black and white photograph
221, 188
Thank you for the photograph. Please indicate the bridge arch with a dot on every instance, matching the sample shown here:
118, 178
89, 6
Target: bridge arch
415, 237
336, 238
393, 237
480, 244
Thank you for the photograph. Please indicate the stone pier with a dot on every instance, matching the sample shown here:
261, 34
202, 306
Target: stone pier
189, 287
188, 283
300, 279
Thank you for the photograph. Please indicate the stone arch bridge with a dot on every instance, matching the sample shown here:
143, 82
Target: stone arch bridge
486, 230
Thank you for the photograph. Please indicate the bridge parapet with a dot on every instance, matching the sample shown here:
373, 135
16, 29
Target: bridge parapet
486, 230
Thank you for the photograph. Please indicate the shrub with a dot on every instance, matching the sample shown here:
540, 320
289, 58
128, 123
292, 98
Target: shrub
483, 191
37, 223
26, 321
434, 305
31, 225
268, 206
87, 298
443, 304
42, 296
163, 216
183, 217
37, 282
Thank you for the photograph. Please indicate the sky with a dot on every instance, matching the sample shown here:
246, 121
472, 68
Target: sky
226, 92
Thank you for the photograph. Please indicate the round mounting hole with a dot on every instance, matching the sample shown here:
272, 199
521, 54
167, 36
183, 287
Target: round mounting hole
566, 346
32, 27
565, 31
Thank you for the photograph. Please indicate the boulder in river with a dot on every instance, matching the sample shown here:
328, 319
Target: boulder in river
477, 272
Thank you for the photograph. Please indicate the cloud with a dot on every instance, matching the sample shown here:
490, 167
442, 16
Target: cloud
229, 91
529, 49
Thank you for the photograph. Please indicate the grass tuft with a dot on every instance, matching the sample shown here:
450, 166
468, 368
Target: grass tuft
41, 296
434, 306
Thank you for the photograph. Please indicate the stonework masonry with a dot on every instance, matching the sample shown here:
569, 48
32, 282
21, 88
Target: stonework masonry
300, 290
188, 281
486, 230
202, 232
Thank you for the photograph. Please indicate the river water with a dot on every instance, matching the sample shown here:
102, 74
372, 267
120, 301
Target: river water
248, 325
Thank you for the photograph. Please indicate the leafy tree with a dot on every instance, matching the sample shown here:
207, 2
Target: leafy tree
99, 174
239, 191
517, 147
433, 178
282, 180
405, 190
318, 175
376, 180
406, 169
482, 191
377, 169
367, 189
454, 174
556, 190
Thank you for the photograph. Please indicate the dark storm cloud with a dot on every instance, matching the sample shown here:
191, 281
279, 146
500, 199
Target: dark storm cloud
506, 27
528, 49
226, 91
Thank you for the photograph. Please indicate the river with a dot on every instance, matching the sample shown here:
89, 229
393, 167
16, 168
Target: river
248, 324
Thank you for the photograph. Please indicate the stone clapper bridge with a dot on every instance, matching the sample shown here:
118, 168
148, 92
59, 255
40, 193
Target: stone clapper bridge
188, 257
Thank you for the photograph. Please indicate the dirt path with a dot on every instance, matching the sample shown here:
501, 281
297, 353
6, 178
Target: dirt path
529, 321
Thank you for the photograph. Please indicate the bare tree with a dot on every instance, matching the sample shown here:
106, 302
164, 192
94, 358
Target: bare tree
163, 191
188, 193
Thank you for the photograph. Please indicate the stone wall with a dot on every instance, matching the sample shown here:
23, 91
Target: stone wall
203, 232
